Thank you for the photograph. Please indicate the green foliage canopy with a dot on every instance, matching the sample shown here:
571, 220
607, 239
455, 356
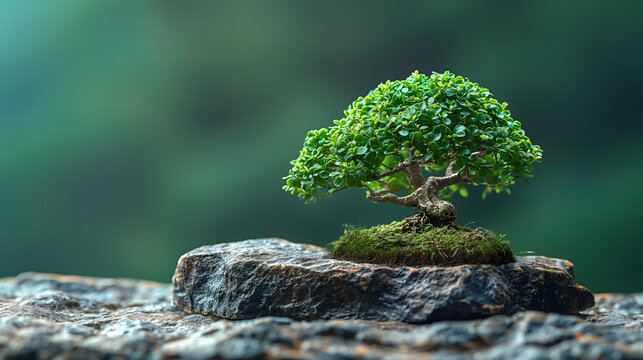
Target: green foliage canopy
442, 119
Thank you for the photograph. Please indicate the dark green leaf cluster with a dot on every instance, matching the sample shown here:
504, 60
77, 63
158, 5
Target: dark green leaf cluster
440, 119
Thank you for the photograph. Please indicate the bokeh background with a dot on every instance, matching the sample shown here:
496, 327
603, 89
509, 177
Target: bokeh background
132, 132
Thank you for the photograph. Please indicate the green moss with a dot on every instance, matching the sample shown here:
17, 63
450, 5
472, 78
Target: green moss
449, 245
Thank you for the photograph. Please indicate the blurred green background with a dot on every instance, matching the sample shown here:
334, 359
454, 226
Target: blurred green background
132, 132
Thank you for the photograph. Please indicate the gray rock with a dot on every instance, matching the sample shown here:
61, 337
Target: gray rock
623, 304
273, 277
615, 319
45, 316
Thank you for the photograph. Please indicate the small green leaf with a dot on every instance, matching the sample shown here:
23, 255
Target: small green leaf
459, 131
361, 150
463, 192
417, 136
403, 132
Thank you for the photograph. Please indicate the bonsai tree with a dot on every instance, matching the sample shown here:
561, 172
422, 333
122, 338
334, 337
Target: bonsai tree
414, 143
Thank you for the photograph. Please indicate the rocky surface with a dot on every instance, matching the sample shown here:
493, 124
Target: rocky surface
71, 317
274, 277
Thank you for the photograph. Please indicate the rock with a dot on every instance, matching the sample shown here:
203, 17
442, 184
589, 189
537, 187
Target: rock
623, 304
273, 277
613, 319
45, 316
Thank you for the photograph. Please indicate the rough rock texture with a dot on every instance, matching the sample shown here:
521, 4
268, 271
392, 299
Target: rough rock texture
45, 316
273, 277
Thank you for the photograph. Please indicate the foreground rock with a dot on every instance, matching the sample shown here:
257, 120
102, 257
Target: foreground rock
45, 316
273, 277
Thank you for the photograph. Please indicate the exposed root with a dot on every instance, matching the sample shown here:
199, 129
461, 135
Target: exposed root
416, 223
420, 221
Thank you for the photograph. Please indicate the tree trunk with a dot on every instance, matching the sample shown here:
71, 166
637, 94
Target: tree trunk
433, 210
438, 212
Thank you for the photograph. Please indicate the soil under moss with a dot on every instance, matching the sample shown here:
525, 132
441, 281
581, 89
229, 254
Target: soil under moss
396, 244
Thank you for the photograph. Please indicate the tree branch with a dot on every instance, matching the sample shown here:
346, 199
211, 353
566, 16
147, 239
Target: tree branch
450, 169
386, 184
406, 201
413, 172
499, 184
401, 166
453, 179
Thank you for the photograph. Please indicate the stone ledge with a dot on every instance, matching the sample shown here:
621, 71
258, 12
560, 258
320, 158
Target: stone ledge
274, 277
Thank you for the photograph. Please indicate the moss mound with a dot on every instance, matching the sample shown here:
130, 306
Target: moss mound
395, 244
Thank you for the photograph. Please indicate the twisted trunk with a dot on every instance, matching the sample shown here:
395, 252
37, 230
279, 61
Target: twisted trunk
433, 210
437, 211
